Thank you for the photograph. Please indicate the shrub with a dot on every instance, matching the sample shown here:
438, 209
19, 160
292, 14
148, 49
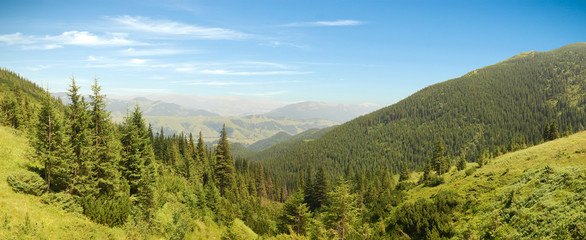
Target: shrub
470, 171
26, 182
64, 201
111, 211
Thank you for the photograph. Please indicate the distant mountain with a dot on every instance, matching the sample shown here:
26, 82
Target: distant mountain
153, 108
283, 137
245, 130
492, 109
224, 106
316, 110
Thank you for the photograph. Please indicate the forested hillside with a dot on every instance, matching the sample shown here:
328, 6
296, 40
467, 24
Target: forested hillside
488, 111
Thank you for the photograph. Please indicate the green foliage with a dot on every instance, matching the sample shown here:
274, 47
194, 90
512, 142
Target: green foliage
224, 169
238, 230
470, 171
64, 201
108, 211
425, 219
26, 182
404, 174
342, 216
295, 215
461, 165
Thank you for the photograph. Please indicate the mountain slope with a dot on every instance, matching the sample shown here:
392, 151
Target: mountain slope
534, 193
118, 108
508, 103
316, 110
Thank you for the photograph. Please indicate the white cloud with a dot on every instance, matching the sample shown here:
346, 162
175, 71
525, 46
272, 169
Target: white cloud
16, 38
84, 38
261, 73
336, 23
177, 28
152, 52
39, 67
79, 38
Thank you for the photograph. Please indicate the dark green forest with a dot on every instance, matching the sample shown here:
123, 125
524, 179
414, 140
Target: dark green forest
492, 110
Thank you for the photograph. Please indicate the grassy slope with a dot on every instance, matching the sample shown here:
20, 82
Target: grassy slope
50, 222
515, 196
44, 221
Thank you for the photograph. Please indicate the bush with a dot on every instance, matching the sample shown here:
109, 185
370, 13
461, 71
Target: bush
239, 230
111, 211
470, 171
64, 201
27, 182
434, 180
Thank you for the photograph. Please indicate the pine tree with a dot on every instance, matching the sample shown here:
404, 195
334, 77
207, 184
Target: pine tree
137, 151
341, 214
461, 162
439, 160
404, 174
224, 169
295, 215
78, 130
320, 189
546, 133
50, 144
553, 131
309, 195
104, 150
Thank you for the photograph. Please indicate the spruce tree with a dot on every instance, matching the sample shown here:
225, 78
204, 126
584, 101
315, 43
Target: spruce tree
553, 131
404, 174
309, 194
104, 150
295, 215
49, 143
439, 160
546, 133
341, 214
461, 162
78, 130
320, 189
224, 169
137, 151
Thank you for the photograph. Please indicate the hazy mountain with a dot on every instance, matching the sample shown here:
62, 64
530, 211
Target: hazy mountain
118, 108
246, 130
224, 106
490, 109
318, 110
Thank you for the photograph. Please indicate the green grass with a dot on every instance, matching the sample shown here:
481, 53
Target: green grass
23, 216
538, 192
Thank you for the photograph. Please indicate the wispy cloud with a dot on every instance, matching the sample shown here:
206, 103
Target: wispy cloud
260, 73
177, 28
152, 52
39, 67
337, 23
79, 38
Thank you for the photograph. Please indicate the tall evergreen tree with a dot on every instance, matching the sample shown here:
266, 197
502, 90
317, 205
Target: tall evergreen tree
137, 151
439, 160
461, 162
49, 142
404, 174
104, 150
320, 188
342, 213
78, 130
295, 215
224, 167
553, 131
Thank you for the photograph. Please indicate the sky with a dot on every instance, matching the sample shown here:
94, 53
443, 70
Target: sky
328, 51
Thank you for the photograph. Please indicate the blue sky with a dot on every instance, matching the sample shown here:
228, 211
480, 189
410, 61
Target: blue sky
330, 51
